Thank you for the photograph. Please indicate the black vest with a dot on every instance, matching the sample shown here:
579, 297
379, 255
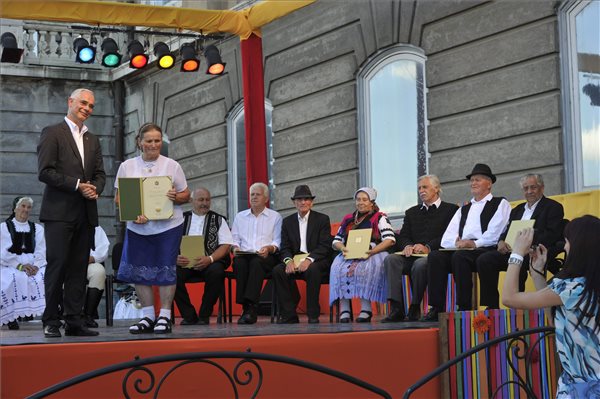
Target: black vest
489, 209
212, 223
22, 243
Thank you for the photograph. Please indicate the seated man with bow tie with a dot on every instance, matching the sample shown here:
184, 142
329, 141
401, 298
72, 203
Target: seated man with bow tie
421, 233
305, 232
474, 229
548, 215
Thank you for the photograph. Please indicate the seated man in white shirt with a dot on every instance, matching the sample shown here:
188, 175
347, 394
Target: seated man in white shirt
96, 276
201, 221
548, 215
474, 229
256, 240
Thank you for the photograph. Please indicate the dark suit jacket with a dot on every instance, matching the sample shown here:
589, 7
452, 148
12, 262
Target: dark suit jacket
425, 227
59, 166
318, 236
548, 215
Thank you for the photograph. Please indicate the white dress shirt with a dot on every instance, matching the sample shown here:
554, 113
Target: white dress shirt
197, 229
528, 213
251, 233
303, 223
472, 228
77, 136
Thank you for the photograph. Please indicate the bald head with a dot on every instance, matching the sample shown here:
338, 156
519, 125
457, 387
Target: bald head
201, 201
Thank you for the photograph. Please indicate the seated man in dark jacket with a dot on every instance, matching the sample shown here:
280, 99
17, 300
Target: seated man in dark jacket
548, 215
305, 232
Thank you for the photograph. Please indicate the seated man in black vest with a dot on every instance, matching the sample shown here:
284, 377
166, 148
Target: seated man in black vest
201, 221
548, 215
474, 229
421, 233
305, 232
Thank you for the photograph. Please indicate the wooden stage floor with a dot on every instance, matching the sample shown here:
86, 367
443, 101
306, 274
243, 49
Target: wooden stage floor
389, 356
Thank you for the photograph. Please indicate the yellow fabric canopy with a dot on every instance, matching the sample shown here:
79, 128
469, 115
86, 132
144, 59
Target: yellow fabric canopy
241, 23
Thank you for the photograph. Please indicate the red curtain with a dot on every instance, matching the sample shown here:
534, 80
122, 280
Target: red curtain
254, 110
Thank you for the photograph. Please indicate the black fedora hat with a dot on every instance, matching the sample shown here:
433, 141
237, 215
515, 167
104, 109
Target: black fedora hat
302, 191
482, 169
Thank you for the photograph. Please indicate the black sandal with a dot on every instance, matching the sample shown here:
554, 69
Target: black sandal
142, 328
367, 319
160, 322
345, 319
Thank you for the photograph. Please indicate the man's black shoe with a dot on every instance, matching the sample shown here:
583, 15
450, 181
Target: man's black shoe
288, 320
80, 332
52, 332
397, 315
414, 313
249, 316
204, 321
186, 322
89, 321
432, 315
313, 320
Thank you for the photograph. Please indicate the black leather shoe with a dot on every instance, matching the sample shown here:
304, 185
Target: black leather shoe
313, 320
414, 313
248, 317
203, 321
186, 322
80, 332
13, 325
89, 322
288, 320
52, 332
367, 319
395, 316
432, 315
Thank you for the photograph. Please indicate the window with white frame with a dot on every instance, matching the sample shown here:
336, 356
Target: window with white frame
392, 126
580, 55
236, 163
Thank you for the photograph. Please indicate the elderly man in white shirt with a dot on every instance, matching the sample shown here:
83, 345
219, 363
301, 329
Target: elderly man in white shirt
96, 276
257, 238
202, 221
474, 229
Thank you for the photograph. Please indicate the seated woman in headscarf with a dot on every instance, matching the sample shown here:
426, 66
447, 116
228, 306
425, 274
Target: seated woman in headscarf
22, 265
362, 278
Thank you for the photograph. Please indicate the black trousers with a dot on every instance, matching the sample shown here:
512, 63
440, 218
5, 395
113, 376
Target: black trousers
213, 276
67, 253
287, 292
250, 272
462, 264
489, 266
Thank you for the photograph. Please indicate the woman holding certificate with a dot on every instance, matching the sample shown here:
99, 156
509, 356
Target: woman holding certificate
361, 275
151, 246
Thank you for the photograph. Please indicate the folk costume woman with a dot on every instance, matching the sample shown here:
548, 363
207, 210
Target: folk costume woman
361, 278
22, 265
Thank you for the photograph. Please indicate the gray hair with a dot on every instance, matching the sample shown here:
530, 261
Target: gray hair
434, 180
77, 92
24, 199
200, 188
263, 186
538, 178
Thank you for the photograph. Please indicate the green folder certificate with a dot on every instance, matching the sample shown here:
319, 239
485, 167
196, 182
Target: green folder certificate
145, 196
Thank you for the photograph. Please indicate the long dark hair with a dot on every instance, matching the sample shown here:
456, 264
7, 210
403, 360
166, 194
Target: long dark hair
583, 260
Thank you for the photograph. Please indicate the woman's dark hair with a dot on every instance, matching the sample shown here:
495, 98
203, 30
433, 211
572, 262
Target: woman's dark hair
583, 260
146, 127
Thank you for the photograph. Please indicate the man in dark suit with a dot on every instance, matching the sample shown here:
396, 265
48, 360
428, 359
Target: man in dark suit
421, 233
548, 215
306, 232
70, 164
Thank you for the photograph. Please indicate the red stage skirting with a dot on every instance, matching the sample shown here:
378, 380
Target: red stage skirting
392, 360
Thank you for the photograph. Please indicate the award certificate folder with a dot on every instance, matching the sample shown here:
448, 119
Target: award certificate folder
299, 258
413, 254
145, 196
192, 247
515, 227
358, 243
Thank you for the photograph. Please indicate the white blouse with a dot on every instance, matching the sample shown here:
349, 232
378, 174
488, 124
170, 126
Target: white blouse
8, 259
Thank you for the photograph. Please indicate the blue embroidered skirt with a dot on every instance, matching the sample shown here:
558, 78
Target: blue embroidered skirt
151, 259
367, 281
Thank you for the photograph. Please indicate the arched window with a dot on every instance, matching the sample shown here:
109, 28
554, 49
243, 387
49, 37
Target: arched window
236, 162
392, 126
580, 55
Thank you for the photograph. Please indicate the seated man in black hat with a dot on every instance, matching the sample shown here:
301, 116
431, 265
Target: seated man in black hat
306, 232
548, 215
474, 229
